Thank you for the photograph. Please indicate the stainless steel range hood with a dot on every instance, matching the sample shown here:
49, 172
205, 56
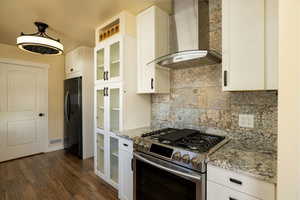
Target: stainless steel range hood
189, 36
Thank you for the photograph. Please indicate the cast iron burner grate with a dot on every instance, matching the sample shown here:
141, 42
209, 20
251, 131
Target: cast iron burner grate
199, 142
185, 138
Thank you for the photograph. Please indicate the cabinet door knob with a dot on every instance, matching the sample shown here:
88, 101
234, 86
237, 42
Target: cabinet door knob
41, 114
71, 69
152, 80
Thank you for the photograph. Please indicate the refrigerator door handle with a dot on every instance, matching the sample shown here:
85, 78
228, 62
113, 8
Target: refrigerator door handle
67, 103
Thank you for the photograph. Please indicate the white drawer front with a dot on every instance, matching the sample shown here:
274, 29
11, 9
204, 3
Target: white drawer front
126, 145
242, 183
220, 192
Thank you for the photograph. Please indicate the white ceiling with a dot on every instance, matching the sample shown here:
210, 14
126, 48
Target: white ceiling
72, 21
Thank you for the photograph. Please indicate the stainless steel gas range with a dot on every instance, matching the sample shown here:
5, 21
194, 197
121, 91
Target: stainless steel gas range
171, 164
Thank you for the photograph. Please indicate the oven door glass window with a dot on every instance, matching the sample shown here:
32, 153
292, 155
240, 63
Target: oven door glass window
153, 183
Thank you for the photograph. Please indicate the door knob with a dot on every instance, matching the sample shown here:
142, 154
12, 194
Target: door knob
41, 114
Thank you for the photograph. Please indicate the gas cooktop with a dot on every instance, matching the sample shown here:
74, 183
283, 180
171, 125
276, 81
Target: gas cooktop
185, 138
185, 147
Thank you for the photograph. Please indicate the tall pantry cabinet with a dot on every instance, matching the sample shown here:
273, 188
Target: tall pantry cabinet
117, 105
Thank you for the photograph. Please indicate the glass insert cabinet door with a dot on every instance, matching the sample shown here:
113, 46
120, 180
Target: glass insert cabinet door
114, 60
114, 159
114, 111
100, 56
100, 109
100, 153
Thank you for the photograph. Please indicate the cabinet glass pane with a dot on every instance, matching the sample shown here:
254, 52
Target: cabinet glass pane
100, 109
114, 159
114, 109
114, 65
100, 64
100, 153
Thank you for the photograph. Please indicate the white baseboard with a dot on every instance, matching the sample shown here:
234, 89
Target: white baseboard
55, 147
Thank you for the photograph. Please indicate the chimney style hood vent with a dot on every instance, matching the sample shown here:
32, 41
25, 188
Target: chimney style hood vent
189, 36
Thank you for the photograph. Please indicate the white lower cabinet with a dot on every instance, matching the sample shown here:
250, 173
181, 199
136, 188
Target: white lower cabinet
125, 170
113, 163
219, 192
227, 185
107, 158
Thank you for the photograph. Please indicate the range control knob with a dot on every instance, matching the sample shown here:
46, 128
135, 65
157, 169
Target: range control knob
146, 147
176, 156
136, 141
196, 162
186, 158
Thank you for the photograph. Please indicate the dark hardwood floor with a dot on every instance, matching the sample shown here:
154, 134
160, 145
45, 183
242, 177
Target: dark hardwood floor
54, 175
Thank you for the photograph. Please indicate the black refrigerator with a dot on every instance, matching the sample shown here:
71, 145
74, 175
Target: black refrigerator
73, 116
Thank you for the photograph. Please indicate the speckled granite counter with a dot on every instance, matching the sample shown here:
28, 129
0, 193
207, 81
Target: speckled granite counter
130, 134
247, 157
246, 154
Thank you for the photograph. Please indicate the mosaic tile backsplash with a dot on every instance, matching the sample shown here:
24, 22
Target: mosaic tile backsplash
197, 101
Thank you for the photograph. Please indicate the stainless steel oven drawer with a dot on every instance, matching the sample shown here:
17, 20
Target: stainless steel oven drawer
157, 179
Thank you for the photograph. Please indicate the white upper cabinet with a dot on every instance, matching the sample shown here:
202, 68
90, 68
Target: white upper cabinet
152, 42
249, 42
115, 49
74, 61
271, 41
110, 60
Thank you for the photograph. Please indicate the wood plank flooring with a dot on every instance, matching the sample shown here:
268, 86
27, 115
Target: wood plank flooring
53, 175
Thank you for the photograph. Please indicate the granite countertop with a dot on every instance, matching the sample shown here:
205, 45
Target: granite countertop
250, 156
132, 133
247, 157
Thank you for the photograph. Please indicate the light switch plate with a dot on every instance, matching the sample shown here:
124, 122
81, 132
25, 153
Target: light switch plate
246, 120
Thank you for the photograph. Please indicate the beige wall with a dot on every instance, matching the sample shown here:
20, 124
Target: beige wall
55, 77
289, 101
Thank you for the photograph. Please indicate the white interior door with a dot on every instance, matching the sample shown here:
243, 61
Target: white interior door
23, 111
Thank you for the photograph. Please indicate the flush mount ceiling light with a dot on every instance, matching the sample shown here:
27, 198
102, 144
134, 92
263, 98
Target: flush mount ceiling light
40, 42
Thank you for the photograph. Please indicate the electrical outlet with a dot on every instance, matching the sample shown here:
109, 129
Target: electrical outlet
246, 120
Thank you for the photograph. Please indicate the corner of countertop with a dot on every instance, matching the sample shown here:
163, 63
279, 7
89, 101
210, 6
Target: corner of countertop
242, 157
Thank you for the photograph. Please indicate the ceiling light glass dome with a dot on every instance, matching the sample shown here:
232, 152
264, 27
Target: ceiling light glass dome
40, 42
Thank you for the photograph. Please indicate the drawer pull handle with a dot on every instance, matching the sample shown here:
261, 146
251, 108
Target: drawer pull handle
230, 198
235, 181
126, 145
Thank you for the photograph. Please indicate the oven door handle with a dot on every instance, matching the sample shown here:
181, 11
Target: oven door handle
176, 172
